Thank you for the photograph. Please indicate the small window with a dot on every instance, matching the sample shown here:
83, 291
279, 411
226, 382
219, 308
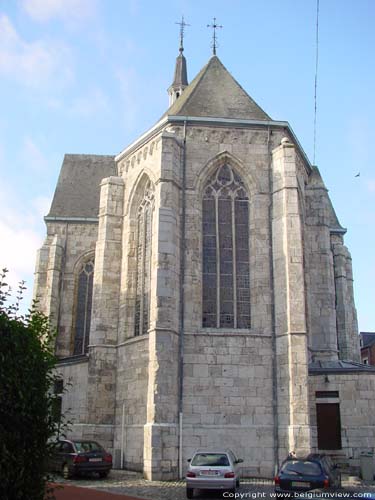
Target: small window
327, 394
58, 386
365, 361
56, 409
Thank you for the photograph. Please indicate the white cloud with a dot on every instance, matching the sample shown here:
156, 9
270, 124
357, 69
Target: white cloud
33, 156
130, 92
21, 233
38, 63
94, 102
70, 11
41, 206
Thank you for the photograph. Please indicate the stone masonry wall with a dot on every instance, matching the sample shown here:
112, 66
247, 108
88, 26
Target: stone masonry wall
357, 411
320, 284
77, 242
131, 391
74, 401
228, 397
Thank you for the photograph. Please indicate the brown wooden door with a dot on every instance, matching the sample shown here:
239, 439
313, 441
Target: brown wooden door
329, 426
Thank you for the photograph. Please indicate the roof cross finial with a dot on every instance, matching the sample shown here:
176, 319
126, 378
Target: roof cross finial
182, 31
214, 37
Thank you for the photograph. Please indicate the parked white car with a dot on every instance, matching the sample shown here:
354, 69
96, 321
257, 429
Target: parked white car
212, 469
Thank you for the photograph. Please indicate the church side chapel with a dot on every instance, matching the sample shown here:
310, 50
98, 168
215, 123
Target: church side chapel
202, 292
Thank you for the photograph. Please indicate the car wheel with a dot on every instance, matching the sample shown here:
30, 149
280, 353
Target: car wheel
104, 474
189, 492
237, 483
66, 472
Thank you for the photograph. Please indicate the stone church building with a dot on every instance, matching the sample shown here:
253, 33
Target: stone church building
202, 292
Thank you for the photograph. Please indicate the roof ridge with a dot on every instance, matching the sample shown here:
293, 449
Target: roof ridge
197, 79
243, 90
214, 92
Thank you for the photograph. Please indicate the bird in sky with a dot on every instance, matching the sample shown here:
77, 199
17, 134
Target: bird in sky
359, 173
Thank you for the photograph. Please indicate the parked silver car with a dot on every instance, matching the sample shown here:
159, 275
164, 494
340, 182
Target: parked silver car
212, 469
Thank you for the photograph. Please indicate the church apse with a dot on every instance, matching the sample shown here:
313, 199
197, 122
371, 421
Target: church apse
222, 292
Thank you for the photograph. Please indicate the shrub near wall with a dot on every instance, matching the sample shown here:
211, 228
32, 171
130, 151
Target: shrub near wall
26, 401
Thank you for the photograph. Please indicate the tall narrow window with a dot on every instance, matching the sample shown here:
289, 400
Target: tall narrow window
144, 235
226, 273
83, 307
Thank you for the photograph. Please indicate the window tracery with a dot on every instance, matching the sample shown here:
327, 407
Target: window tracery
83, 307
143, 272
226, 272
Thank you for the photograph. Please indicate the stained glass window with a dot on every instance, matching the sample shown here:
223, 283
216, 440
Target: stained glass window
144, 235
83, 307
226, 270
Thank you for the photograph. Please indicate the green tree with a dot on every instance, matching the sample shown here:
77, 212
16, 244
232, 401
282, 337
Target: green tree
27, 401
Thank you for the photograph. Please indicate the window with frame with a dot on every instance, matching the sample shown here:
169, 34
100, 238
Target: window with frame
143, 272
226, 267
83, 307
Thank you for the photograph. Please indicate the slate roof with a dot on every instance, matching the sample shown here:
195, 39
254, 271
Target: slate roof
368, 339
180, 72
215, 93
78, 188
322, 367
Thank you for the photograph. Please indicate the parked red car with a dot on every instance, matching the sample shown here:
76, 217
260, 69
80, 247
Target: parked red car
75, 457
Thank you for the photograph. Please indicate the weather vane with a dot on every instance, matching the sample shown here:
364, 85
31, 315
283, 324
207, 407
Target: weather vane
182, 31
214, 37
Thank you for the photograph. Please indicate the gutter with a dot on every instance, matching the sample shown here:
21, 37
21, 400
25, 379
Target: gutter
212, 121
273, 316
58, 218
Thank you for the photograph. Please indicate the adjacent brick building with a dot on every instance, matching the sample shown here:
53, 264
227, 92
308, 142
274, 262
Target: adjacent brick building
367, 343
202, 291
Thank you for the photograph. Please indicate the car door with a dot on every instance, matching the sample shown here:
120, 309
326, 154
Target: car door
330, 471
63, 454
66, 453
54, 457
58, 461
233, 459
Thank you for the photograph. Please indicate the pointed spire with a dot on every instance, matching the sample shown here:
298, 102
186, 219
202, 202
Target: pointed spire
180, 81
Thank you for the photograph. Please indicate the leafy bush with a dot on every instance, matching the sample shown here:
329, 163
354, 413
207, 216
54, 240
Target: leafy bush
27, 401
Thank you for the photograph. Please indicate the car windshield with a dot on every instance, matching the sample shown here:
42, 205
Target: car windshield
87, 446
301, 468
210, 460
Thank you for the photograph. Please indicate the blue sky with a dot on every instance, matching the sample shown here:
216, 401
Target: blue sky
89, 76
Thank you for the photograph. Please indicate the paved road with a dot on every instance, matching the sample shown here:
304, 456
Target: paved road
69, 492
133, 484
127, 485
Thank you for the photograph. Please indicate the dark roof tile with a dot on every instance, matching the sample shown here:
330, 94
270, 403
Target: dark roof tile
78, 188
215, 93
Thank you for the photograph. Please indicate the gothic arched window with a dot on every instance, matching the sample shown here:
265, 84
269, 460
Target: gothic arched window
143, 281
83, 307
226, 273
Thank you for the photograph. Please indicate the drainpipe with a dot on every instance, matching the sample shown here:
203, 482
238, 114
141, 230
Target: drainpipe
182, 308
273, 320
61, 284
122, 435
